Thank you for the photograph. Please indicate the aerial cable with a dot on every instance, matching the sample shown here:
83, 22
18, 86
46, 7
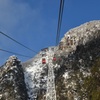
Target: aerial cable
15, 53
59, 20
17, 42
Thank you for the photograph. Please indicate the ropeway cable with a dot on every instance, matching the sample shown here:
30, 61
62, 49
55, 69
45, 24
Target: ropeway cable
59, 20
15, 53
17, 42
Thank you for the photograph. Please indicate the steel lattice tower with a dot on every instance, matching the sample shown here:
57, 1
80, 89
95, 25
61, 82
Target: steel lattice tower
51, 92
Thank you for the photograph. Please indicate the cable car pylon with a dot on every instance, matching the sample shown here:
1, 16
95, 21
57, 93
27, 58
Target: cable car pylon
51, 92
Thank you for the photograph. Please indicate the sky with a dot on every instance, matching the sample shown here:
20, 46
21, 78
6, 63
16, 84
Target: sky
34, 23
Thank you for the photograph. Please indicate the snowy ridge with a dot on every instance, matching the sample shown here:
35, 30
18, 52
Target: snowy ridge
32, 78
36, 75
81, 35
74, 64
11, 79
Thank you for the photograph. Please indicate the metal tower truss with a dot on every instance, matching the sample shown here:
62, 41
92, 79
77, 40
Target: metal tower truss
51, 92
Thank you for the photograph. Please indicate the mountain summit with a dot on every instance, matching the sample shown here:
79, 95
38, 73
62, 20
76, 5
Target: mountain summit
12, 84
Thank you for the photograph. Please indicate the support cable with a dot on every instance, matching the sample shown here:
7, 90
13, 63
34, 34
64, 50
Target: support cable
17, 42
59, 20
15, 53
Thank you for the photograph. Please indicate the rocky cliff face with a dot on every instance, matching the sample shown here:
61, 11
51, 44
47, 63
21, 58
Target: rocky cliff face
76, 68
12, 85
80, 71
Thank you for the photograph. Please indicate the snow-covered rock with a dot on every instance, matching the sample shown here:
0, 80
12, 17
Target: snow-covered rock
76, 69
12, 85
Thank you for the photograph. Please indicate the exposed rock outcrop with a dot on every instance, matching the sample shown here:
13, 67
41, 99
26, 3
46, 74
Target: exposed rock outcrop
80, 61
12, 85
76, 67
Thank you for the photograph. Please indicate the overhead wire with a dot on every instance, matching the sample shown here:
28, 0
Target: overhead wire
62, 6
15, 53
57, 36
59, 20
17, 42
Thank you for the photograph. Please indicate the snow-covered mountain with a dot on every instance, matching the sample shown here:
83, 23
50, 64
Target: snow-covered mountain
77, 51
76, 63
36, 74
33, 70
78, 77
12, 84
